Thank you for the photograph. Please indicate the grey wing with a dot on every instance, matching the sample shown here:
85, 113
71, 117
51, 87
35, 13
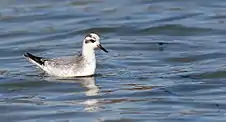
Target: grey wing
65, 62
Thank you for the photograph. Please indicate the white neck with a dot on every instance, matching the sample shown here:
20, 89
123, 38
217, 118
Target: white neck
88, 53
90, 58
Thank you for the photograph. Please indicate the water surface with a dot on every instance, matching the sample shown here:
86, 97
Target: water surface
166, 60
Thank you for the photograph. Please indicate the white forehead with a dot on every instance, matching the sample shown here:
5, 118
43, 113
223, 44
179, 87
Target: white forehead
93, 35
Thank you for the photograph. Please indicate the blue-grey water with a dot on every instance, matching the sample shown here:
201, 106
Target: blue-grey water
166, 61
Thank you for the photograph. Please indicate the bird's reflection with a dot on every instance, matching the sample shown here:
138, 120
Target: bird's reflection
90, 84
91, 89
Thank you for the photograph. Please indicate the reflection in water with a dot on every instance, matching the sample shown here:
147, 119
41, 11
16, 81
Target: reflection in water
89, 83
91, 105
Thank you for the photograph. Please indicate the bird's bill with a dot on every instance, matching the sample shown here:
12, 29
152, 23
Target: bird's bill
102, 48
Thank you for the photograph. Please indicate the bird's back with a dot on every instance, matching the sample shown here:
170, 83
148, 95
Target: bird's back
67, 62
69, 66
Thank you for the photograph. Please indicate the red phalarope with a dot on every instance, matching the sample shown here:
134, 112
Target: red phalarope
72, 66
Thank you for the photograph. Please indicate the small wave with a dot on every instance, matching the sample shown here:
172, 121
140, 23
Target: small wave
193, 58
178, 30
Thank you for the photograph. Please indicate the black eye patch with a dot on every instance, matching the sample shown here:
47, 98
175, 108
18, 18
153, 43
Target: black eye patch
88, 41
92, 40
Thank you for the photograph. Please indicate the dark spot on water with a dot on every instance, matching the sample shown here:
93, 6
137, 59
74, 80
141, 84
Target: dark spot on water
160, 43
217, 105
161, 46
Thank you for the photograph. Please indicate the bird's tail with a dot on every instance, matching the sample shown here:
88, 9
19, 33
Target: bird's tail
39, 61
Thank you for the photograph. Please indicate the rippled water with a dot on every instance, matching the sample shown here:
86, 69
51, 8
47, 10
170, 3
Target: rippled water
166, 60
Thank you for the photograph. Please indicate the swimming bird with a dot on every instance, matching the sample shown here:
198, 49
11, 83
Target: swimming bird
71, 66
